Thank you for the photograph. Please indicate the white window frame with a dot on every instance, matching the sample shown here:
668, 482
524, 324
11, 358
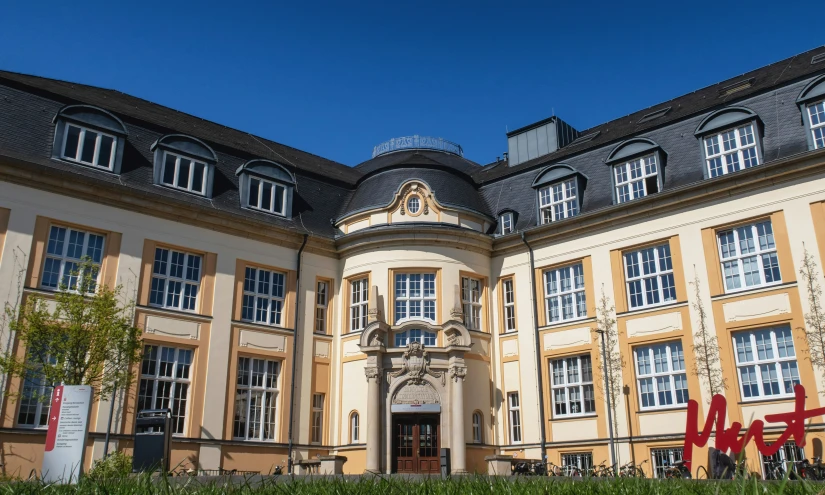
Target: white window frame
187, 283
260, 184
650, 270
317, 425
36, 394
97, 148
415, 292
759, 366
631, 178
506, 220
261, 387
509, 298
720, 160
571, 382
514, 416
179, 420
559, 201
472, 291
358, 304
572, 461
789, 453
763, 250
354, 428
61, 258
562, 285
321, 306
673, 454
478, 427
263, 305
193, 163
816, 119
423, 337
662, 382
413, 205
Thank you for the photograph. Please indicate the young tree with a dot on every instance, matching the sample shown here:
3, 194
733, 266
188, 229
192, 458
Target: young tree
614, 361
815, 317
87, 338
706, 347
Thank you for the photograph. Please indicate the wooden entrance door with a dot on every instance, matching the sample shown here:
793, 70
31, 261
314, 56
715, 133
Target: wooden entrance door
416, 443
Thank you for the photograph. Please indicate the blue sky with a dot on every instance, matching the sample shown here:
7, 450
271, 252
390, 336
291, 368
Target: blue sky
336, 79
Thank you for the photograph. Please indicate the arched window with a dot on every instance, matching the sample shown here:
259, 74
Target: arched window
89, 136
478, 427
354, 428
730, 141
184, 163
559, 190
812, 103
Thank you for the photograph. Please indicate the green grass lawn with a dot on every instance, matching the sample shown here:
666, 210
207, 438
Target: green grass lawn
396, 485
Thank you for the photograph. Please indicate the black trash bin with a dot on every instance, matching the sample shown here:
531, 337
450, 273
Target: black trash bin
153, 440
445, 462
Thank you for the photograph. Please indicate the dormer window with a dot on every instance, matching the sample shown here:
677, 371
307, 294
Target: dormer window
636, 178
184, 163
183, 173
812, 103
637, 169
730, 141
89, 136
266, 186
559, 192
506, 222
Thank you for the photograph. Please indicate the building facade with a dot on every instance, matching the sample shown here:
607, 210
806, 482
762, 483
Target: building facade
420, 300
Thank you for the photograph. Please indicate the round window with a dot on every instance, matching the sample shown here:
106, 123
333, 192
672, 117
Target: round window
413, 205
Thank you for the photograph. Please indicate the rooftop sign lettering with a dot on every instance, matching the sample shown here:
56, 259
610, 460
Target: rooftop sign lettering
417, 143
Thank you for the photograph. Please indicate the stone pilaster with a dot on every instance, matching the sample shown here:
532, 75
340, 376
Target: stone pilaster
373, 373
457, 440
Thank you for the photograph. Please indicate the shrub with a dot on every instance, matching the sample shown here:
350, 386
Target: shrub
116, 466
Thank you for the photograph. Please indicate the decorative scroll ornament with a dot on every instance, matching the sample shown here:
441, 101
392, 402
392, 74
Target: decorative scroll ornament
426, 206
372, 372
453, 338
458, 372
416, 364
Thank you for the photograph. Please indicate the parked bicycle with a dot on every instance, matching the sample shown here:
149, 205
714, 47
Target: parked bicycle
677, 469
631, 470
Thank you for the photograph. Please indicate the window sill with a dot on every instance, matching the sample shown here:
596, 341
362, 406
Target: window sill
565, 419
168, 311
650, 309
263, 326
663, 409
559, 324
760, 400
753, 290
64, 159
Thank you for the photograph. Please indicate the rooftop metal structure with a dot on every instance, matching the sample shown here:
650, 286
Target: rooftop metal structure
417, 142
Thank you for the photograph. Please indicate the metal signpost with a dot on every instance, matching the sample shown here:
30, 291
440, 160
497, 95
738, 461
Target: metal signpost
68, 430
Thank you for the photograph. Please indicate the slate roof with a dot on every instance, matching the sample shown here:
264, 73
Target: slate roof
327, 190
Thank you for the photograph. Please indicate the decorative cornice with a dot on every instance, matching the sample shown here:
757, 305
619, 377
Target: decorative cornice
405, 235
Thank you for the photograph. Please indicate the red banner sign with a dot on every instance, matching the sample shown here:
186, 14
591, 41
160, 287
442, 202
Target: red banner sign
728, 438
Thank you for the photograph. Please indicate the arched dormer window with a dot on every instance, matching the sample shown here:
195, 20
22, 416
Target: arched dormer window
812, 103
559, 190
266, 186
89, 136
637, 165
184, 163
730, 141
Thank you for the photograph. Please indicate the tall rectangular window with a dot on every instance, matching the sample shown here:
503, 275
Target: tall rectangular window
636, 178
183, 173
515, 417
559, 201
164, 382
649, 276
572, 387
317, 418
35, 400
263, 296
358, 303
321, 305
89, 147
266, 195
176, 279
509, 305
731, 150
664, 458
256, 397
766, 363
577, 463
415, 296
564, 297
506, 220
816, 112
661, 376
471, 302
66, 250
748, 256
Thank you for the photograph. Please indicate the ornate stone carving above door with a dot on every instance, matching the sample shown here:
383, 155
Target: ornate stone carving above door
416, 393
416, 364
